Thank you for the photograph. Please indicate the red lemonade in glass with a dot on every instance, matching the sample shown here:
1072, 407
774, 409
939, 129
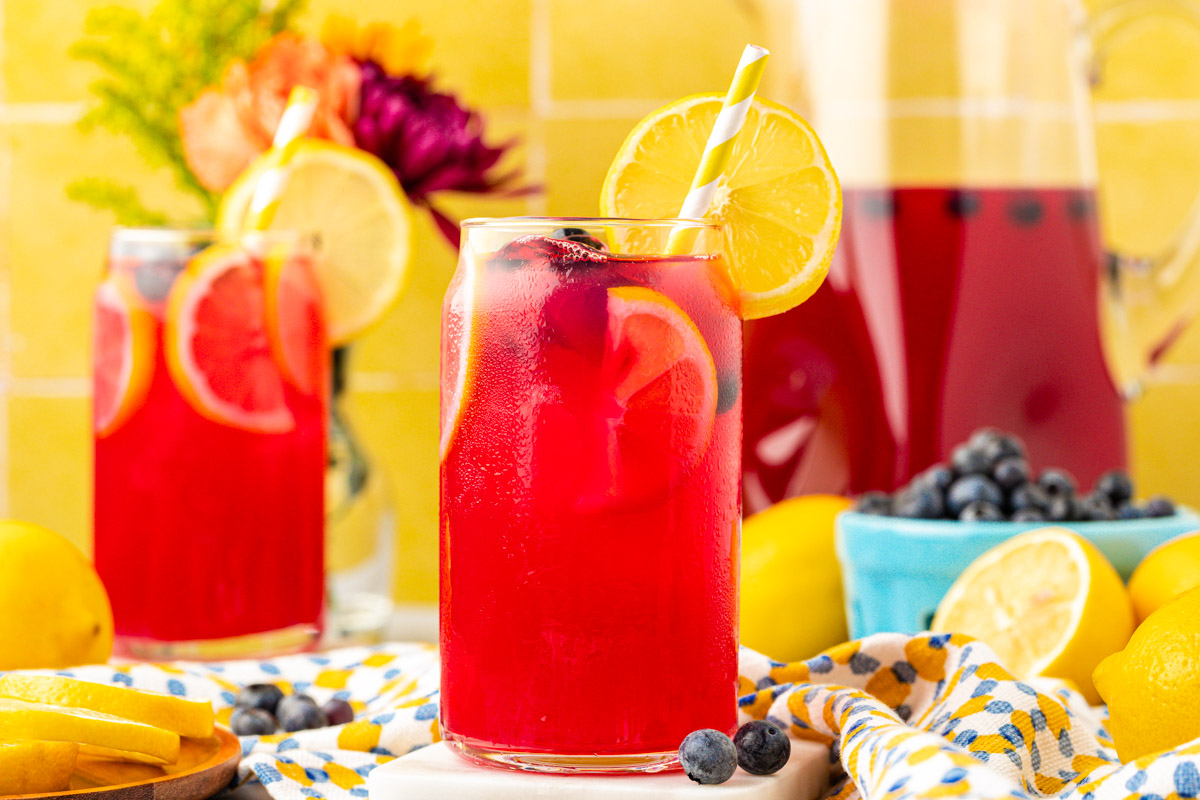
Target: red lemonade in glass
210, 384
590, 503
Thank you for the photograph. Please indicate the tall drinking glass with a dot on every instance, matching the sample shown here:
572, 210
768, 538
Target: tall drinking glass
590, 457
210, 397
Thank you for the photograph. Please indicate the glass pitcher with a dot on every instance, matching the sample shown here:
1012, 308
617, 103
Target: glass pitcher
970, 286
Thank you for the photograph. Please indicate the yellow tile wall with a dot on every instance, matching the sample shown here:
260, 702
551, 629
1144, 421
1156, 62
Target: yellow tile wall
568, 77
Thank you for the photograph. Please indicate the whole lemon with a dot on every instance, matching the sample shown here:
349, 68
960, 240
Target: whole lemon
792, 605
54, 612
1152, 687
1166, 572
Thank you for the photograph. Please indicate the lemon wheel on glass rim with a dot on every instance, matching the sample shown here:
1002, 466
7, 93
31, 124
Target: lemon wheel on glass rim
779, 195
355, 205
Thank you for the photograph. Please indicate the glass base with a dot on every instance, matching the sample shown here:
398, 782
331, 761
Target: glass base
583, 764
296, 639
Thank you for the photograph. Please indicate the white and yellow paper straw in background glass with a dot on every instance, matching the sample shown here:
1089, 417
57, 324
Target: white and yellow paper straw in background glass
717, 151
293, 125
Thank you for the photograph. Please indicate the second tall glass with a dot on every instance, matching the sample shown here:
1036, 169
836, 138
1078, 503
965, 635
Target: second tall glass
590, 506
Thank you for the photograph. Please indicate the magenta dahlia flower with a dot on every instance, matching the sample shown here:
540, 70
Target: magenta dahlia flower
432, 143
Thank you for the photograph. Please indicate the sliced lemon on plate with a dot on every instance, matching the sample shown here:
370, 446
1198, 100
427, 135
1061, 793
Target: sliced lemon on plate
779, 196
354, 203
23, 720
185, 717
33, 767
1047, 602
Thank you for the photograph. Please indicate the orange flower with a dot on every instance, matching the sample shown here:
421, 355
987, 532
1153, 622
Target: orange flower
226, 127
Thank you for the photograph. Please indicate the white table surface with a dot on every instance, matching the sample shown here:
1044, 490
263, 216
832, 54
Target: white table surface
435, 773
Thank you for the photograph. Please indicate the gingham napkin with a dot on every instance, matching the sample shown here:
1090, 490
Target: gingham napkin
929, 716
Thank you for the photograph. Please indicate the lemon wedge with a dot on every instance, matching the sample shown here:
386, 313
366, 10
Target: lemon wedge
184, 717
779, 196
1047, 602
23, 720
355, 205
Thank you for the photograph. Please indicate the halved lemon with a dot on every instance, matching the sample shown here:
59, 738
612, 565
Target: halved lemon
185, 717
123, 348
218, 346
354, 203
33, 767
779, 196
1047, 602
23, 720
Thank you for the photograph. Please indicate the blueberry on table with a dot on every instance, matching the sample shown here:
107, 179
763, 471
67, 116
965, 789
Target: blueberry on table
1116, 486
919, 502
981, 511
338, 712
762, 748
970, 489
1158, 507
939, 476
877, 503
968, 460
1002, 447
982, 437
299, 712
1029, 515
249, 721
1096, 507
1010, 472
260, 695
1057, 483
1029, 496
708, 756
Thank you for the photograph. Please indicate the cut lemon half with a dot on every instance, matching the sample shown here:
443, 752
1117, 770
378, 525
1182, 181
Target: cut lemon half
185, 717
217, 344
779, 195
22, 720
354, 203
1047, 602
31, 767
123, 349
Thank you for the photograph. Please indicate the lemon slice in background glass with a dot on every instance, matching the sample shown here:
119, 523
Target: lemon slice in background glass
354, 203
779, 196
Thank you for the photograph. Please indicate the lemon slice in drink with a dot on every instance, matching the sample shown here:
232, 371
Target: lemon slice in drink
779, 196
354, 203
1047, 602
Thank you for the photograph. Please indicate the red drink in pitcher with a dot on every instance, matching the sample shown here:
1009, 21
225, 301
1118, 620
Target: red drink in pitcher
945, 310
591, 428
211, 381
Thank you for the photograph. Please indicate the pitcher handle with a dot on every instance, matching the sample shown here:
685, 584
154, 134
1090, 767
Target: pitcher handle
1146, 303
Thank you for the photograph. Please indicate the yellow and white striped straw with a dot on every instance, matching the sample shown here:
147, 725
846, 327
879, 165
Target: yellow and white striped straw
725, 131
293, 125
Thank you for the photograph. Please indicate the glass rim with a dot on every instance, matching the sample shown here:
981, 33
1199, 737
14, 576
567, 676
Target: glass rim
532, 222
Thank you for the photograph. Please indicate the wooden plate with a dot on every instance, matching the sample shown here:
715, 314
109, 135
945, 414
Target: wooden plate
205, 767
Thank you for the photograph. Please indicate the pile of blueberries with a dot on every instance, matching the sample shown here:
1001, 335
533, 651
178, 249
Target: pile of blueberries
989, 478
759, 747
262, 708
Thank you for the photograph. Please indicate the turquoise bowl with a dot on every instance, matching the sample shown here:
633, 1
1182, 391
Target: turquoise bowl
895, 571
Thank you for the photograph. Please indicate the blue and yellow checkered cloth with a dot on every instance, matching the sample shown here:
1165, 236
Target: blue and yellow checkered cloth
906, 718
